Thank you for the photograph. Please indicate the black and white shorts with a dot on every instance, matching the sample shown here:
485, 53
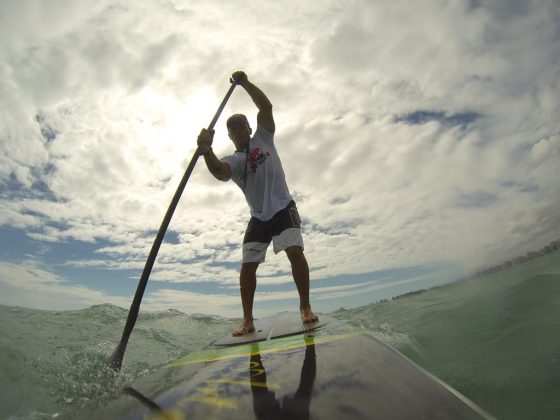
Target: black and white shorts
284, 230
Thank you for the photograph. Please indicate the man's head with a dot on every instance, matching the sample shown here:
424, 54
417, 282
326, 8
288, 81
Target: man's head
239, 131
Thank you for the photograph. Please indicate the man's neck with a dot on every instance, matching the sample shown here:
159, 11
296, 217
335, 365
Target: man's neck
243, 148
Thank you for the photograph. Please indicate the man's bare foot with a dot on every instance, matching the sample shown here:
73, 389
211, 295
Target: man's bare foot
246, 327
307, 315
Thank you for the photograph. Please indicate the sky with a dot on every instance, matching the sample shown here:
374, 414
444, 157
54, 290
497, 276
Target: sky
421, 141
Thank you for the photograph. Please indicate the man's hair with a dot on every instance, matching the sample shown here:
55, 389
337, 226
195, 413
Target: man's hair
235, 118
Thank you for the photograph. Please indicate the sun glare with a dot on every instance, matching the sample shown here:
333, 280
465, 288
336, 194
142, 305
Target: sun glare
169, 126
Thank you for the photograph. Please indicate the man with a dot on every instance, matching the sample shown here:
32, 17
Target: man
256, 168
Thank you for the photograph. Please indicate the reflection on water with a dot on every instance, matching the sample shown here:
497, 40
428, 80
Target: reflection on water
265, 403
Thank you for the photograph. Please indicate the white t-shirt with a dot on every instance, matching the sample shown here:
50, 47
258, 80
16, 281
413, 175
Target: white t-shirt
266, 191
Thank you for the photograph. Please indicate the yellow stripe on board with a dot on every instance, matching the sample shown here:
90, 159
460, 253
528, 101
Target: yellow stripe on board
264, 347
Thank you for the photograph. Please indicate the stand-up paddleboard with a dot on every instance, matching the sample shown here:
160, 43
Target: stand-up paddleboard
329, 370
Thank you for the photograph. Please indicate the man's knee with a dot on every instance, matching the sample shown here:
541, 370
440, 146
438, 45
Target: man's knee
249, 268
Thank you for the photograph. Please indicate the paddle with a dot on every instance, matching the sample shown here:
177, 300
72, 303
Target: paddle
115, 362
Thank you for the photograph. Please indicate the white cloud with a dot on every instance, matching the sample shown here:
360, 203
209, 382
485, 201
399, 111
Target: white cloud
29, 283
101, 106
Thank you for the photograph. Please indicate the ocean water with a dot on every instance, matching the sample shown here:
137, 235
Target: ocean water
494, 338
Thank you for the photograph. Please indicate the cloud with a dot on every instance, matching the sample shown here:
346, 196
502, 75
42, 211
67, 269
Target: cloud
29, 283
410, 134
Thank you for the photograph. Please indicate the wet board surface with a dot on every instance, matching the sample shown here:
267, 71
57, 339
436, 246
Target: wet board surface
333, 372
281, 325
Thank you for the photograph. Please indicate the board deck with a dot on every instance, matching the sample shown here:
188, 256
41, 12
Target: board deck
281, 325
290, 323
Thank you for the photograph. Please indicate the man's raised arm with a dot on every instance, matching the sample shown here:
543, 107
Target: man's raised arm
264, 117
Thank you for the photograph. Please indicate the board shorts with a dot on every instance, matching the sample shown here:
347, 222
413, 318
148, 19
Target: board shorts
283, 230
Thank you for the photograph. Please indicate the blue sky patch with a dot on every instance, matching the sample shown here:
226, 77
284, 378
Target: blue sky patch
475, 199
422, 117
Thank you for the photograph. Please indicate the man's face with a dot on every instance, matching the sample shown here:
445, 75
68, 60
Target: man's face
240, 133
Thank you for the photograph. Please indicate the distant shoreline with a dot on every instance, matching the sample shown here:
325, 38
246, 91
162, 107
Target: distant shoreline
548, 249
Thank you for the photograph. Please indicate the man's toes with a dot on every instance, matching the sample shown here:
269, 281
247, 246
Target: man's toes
242, 331
310, 318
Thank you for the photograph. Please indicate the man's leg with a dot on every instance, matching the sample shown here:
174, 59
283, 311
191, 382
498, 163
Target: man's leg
255, 242
247, 285
300, 271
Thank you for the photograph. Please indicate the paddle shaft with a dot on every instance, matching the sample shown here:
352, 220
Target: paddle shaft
115, 362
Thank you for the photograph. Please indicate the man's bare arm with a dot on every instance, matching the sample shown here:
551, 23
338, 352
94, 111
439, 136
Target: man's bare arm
264, 116
219, 169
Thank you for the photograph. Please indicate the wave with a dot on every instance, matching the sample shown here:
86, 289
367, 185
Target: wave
493, 338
